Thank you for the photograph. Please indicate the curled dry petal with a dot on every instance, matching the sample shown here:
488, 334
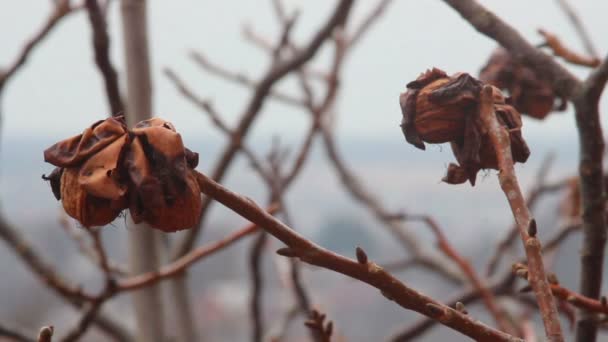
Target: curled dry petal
73, 151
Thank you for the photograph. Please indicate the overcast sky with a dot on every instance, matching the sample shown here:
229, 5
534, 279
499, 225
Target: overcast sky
59, 92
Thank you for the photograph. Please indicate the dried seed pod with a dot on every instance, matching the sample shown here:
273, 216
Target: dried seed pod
165, 192
109, 168
88, 181
530, 94
438, 108
89, 210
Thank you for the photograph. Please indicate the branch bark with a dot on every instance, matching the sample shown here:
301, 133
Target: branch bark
593, 196
144, 242
276, 73
509, 184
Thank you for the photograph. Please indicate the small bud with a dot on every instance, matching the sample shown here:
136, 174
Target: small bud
552, 279
361, 256
330, 328
387, 295
287, 252
435, 310
532, 230
460, 308
46, 334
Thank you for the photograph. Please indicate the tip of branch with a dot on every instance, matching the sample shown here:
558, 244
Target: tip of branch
46, 333
287, 252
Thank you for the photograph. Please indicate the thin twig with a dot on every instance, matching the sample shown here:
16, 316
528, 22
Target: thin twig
487, 296
509, 184
564, 83
13, 334
60, 10
276, 73
502, 286
578, 26
178, 266
101, 47
561, 50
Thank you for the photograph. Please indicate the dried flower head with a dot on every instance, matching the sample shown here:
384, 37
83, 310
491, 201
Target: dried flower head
108, 168
530, 94
438, 108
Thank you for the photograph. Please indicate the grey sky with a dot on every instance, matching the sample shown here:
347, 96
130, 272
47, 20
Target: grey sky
59, 92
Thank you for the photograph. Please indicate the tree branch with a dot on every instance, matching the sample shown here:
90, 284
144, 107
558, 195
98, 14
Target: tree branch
525, 223
101, 48
593, 193
368, 272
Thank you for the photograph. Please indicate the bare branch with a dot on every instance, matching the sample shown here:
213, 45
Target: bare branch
60, 10
564, 83
256, 102
509, 184
487, 296
578, 26
369, 273
101, 47
593, 192
561, 50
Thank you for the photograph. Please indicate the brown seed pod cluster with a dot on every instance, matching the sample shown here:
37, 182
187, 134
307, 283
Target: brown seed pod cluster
109, 168
438, 108
529, 94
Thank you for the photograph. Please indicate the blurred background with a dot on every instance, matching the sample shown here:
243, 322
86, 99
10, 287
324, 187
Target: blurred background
60, 92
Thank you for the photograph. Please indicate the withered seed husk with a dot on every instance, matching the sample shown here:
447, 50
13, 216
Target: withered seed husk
89, 210
109, 168
438, 108
529, 94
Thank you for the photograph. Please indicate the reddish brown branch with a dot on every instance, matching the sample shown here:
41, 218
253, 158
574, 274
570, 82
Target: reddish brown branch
564, 83
561, 50
60, 10
593, 195
578, 26
487, 296
187, 260
276, 73
532, 199
369, 273
499, 287
101, 47
509, 184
